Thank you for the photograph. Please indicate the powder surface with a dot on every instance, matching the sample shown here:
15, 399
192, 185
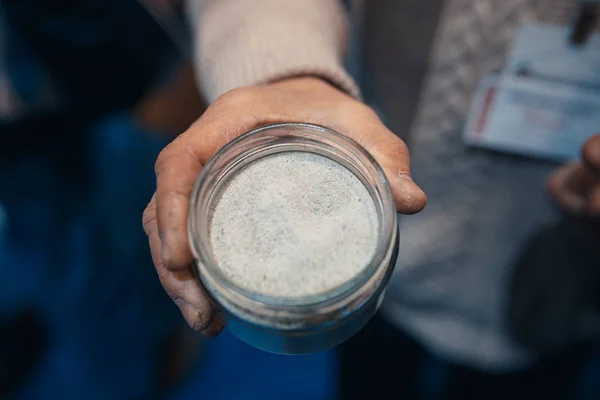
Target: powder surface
293, 224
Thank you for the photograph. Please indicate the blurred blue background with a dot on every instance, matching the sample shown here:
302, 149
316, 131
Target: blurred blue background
76, 271
83, 116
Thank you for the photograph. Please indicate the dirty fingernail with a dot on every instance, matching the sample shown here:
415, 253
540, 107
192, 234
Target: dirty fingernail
410, 198
197, 320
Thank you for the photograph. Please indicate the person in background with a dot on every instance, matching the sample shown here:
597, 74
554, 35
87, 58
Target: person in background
266, 61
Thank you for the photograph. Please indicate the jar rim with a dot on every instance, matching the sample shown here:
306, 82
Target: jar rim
212, 275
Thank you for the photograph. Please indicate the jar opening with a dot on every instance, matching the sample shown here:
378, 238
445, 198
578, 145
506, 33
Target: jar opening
328, 158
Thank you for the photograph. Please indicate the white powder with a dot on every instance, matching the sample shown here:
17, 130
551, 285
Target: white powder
293, 224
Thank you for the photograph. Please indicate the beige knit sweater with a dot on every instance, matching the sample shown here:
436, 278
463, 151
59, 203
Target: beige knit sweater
244, 42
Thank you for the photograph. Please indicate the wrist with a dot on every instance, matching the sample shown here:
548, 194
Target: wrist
307, 82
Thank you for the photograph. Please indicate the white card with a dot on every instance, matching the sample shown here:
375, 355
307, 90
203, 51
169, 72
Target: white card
530, 117
546, 103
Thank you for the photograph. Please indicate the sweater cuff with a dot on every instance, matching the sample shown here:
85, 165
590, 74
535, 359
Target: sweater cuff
247, 42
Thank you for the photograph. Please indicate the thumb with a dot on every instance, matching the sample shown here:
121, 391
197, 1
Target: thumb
392, 154
408, 196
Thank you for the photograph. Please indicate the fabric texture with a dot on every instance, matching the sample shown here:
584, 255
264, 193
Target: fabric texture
240, 43
452, 282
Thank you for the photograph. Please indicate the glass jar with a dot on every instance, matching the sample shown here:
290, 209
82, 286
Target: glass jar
301, 324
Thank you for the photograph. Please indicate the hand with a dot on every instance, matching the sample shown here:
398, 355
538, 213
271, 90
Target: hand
309, 100
576, 187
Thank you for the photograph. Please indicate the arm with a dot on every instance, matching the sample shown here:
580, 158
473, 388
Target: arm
277, 61
240, 43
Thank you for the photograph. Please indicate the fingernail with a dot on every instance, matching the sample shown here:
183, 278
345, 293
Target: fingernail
213, 330
410, 198
165, 251
196, 319
202, 323
218, 323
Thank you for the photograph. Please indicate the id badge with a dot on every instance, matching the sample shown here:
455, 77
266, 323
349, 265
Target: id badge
546, 103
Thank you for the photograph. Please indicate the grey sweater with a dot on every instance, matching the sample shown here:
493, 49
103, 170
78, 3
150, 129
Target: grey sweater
454, 283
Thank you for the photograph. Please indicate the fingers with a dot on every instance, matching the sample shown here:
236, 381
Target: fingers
336, 110
231, 115
177, 168
590, 154
237, 112
180, 163
392, 155
217, 324
576, 186
242, 110
564, 187
409, 198
180, 285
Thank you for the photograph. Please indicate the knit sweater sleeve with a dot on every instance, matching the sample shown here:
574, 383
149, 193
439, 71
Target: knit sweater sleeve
245, 42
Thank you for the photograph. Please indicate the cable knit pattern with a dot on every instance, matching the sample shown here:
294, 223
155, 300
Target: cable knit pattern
451, 284
245, 42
